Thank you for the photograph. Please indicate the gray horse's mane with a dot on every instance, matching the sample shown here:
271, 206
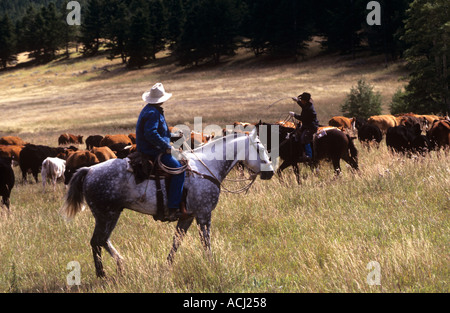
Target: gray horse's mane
230, 137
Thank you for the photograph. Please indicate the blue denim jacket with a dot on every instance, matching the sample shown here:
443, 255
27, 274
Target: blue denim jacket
152, 132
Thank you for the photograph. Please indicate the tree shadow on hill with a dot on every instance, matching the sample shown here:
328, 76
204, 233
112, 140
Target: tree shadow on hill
365, 63
20, 66
111, 71
249, 62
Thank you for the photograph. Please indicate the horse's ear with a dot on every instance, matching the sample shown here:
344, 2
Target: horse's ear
253, 133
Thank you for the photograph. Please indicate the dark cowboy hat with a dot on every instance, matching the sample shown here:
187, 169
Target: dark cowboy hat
305, 96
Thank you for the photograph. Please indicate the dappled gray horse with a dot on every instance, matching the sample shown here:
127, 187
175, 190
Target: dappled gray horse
109, 187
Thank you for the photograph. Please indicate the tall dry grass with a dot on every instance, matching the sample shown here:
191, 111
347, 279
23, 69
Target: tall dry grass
280, 237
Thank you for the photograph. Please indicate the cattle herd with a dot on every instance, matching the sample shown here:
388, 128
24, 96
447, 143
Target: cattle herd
407, 133
57, 162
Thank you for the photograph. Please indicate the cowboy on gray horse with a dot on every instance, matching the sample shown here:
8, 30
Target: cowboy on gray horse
153, 139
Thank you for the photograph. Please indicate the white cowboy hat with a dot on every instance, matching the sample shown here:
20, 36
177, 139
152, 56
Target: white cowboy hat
156, 95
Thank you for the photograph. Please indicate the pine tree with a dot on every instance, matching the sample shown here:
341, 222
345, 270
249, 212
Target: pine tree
279, 27
340, 22
427, 31
69, 33
92, 27
384, 38
31, 33
209, 32
116, 18
256, 24
139, 41
52, 39
157, 28
362, 101
40, 32
176, 17
7, 42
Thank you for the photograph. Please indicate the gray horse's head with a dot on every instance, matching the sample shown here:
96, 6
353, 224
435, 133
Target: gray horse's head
258, 159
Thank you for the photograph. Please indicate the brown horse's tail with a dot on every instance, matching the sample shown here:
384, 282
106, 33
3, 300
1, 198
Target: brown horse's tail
73, 202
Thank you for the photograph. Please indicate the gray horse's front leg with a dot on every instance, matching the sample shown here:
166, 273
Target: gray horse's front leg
182, 227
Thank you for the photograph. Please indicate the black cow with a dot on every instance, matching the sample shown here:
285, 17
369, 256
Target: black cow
368, 133
32, 156
7, 180
405, 139
93, 141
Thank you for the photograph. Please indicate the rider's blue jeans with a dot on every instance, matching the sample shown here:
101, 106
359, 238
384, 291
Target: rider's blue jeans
176, 182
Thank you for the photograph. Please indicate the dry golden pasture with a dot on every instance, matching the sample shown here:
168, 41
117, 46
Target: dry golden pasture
88, 95
280, 237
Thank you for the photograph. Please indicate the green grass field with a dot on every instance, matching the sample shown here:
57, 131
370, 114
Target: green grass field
279, 237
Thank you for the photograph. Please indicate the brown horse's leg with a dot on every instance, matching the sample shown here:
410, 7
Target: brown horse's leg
182, 227
297, 173
5, 200
283, 166
351, 161
104, 225
336, 165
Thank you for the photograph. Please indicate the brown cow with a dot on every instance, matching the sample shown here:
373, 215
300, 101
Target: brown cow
431, 118
12, 140
66, 138
77, 160
411, 119
342, 122
110, 140
103, 153
11, 151
198, 139
383, 122
243, 127
439, 133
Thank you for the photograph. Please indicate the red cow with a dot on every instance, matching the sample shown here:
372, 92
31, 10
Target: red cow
12, 140
66, 138
110, 140
342, 122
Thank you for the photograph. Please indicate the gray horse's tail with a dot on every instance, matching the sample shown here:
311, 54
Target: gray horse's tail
74, 199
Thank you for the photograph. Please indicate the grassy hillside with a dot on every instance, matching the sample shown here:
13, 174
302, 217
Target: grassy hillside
81, 95
280, 237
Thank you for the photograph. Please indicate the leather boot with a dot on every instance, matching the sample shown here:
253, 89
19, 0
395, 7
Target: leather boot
183, 213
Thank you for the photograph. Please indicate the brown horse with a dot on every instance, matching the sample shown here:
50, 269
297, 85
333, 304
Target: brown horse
329, 143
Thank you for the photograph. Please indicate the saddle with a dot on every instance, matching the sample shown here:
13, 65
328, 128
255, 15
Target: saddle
144, 167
